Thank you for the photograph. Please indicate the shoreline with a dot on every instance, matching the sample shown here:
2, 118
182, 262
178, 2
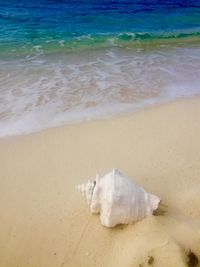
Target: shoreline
50, 92
46, 222
115, 116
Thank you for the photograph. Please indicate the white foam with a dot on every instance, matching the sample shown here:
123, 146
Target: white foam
49, 91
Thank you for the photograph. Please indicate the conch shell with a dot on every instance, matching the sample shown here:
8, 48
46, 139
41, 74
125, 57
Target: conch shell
118, 199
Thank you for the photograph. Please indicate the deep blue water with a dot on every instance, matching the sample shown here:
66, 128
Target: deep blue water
71, 24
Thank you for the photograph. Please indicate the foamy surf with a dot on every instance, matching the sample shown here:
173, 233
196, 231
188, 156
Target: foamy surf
49, 91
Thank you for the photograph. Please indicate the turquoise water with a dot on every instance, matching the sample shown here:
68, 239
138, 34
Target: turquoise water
70, 25
65, 61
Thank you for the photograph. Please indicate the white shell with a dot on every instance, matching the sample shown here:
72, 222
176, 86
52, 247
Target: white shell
118, 199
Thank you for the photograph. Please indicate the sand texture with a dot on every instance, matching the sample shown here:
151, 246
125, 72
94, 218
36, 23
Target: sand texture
45, 222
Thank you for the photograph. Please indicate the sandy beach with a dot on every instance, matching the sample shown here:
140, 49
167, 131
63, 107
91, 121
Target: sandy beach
45, 222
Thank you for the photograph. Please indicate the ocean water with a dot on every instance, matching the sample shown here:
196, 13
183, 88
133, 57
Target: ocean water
63, 61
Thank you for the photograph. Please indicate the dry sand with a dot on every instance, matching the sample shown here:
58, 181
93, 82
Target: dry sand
45, 222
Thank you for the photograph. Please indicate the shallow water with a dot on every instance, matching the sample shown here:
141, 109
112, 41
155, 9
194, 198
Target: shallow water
68, 61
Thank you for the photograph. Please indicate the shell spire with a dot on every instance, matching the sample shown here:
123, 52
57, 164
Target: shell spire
87, 190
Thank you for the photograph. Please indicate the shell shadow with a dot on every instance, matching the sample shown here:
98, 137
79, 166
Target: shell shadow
119, 227
161, 210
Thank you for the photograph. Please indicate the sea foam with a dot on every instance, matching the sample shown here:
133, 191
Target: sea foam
48, 91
